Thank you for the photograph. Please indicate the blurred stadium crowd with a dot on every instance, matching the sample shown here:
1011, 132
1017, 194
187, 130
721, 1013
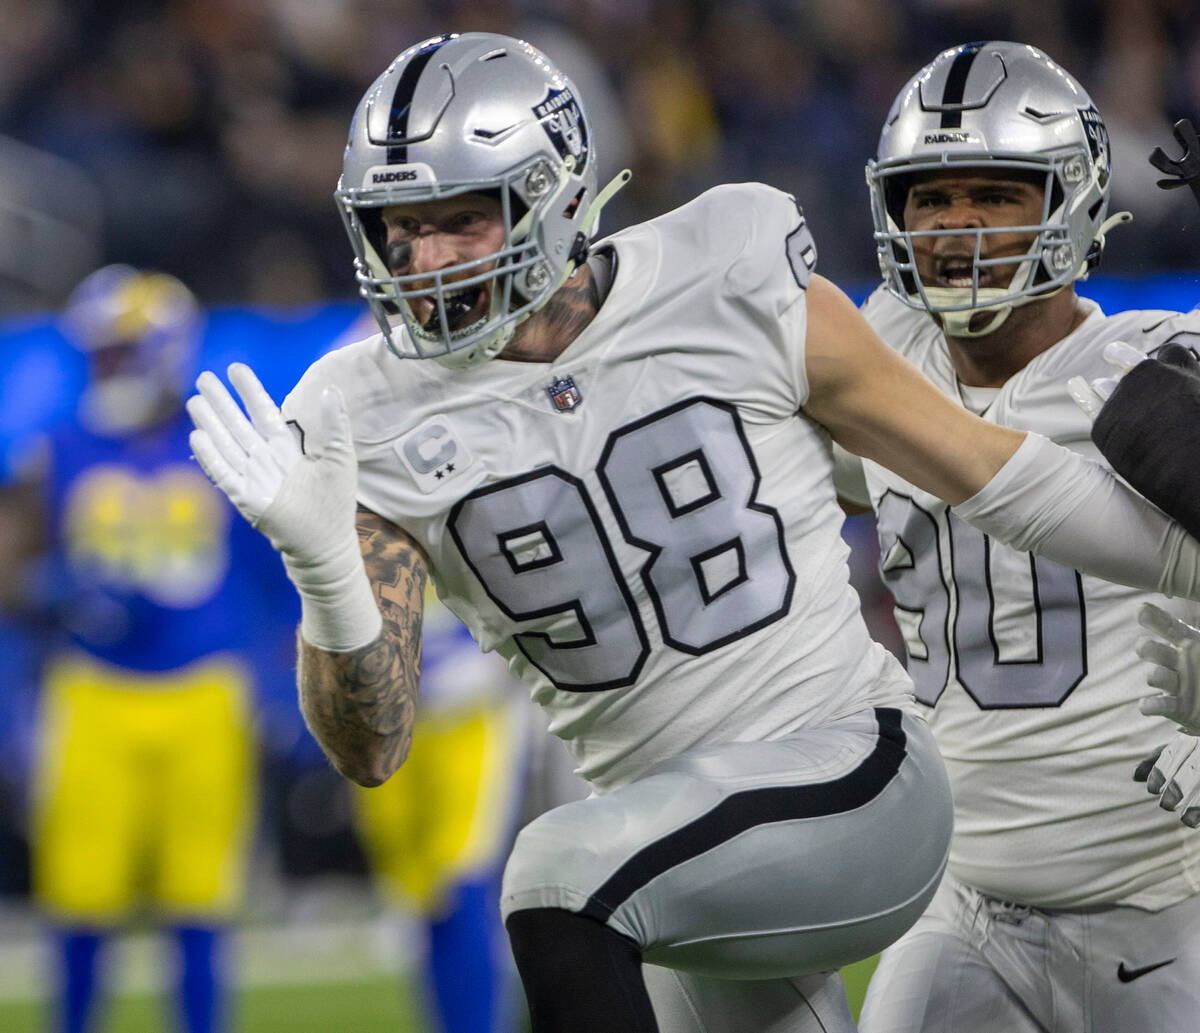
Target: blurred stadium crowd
204, 137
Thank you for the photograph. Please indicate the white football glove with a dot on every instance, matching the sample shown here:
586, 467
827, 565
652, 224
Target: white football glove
1090, 397
1173, 774
1174, 653
303, 501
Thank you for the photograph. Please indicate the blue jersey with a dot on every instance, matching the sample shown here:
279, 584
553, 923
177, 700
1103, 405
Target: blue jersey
153, 568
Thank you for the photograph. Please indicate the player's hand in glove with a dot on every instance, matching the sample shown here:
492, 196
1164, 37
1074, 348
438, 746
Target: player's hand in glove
1090, 396
1149, 426
1172, 772
1174, 652
303, 500
1184, 170
303, 503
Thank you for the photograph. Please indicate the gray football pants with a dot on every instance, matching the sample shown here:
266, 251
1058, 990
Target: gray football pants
773, 862
973, 964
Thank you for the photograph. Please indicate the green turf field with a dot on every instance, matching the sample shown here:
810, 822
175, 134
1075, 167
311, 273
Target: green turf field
378, 1006
855, 977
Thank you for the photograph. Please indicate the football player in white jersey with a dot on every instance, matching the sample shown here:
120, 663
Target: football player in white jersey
1147, 419
614, 462
1070, 900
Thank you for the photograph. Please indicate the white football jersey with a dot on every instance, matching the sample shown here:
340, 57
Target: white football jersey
1028, 669
646, 527
455, 673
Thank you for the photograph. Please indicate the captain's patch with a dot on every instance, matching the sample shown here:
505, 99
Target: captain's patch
433, 454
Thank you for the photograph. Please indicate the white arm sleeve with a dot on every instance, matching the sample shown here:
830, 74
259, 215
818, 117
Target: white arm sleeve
1054, 502
848, 478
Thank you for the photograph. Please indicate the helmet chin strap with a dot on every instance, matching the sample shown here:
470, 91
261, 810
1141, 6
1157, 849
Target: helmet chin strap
579, 248
958, 323
485, 348
1096, 251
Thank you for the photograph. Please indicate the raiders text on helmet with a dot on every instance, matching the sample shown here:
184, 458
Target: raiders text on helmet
994, 106
459, 114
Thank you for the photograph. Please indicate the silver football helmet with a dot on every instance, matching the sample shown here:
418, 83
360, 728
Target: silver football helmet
1004, 106
471, 113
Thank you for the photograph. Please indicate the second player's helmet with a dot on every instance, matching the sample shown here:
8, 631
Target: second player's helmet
997, 106
471, 113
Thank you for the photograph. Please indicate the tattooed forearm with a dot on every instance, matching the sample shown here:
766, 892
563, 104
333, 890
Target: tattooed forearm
361, 705
358, 709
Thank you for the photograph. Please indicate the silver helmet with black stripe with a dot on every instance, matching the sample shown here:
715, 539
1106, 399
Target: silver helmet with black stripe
994, 106
470, 113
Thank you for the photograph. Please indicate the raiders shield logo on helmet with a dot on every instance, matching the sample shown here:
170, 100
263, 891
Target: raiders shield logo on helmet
1097, 138
562, 118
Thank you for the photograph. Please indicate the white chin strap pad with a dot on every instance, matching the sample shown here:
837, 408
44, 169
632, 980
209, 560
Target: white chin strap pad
957, 323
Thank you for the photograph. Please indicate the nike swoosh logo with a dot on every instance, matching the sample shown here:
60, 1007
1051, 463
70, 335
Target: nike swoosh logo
1128, 975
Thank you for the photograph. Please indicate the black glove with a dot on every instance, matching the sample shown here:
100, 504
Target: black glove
1149, 430
1183, 171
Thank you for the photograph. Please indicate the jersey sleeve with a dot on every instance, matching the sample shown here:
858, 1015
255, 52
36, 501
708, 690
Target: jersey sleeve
1182, 328
763, 255
849, 478
877, 307
301, 408
775, 252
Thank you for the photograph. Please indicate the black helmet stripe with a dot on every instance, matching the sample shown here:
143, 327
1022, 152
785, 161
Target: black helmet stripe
956, 85
406, 87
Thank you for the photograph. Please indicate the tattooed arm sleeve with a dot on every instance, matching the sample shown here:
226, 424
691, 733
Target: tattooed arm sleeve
360, 705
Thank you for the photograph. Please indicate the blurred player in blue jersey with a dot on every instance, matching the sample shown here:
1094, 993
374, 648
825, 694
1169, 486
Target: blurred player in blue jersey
143, 780
438, 832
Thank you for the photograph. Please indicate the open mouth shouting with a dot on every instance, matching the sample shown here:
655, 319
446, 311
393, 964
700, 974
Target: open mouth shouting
956, 271
464, 308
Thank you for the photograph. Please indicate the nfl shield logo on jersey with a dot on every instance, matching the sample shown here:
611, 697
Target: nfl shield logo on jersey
564, 394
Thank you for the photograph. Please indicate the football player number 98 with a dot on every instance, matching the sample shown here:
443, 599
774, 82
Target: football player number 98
681, 485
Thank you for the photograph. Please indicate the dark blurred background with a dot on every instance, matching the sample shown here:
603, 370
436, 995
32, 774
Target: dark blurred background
204, 137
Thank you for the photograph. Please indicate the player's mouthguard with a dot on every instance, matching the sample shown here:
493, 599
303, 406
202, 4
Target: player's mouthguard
458, 306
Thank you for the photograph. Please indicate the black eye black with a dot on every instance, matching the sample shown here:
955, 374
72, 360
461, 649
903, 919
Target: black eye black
399, 254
